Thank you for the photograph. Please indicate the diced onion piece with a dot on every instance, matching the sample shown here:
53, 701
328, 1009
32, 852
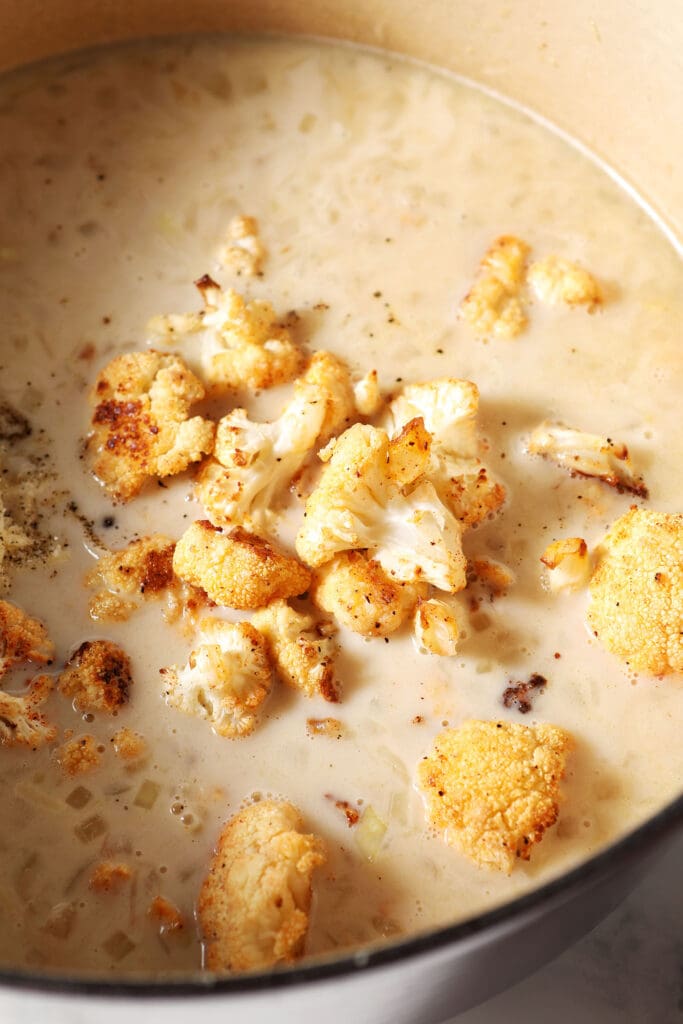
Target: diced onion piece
91, 828
147, 794
370, 834
568, 564
118, 945
78, 798
60, 920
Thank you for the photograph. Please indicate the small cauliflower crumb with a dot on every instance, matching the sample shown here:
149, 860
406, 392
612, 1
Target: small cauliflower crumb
237, 569
332, 728
493, 787
367, 395
109, 876
494, 304
568, 564
449, 408
585, 454
244, 252
140, 421
302, 649
226, 680
97, 676
636, 591
255, 462
130, 747
371, 496
558, 281
254, 903
166, 914
142, 570
234, 344
361, 596
437, 628
78, 756
22, 639
21, 724
492, 574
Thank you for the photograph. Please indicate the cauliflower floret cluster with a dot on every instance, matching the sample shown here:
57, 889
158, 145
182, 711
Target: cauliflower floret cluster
244, 251
493, 787
636, 592
372, 496
78, 756
142, 570
494, 304
558, 281
254, 903
302, 649
98, 677
232, 343
585, 454
226, 680
22, 639
362, 596
254, 463
140, 421
448, 408
21, 724
237, 569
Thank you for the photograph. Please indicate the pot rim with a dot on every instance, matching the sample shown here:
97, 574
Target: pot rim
619, 854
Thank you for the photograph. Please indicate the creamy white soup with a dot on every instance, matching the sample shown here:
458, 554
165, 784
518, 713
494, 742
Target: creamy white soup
377, 186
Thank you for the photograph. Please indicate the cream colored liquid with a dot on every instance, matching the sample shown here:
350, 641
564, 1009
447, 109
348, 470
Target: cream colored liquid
378, 185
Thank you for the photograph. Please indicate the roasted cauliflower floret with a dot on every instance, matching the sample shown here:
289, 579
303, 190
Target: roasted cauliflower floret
448, 407
568, 564
232, 344
587, 455
494, 304
302, 649
140, 421
437, 628
361, 596
226, 680
109, 876
367, 394
142, 570
372, 496
130, 747
493, 787
79, 755
636, 592
558, 281
244, 251
254, 903
22, 639
98, 677
237, 569
255, 462
21, 724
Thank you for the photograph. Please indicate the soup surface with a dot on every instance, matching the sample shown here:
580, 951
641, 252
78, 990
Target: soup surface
377, 186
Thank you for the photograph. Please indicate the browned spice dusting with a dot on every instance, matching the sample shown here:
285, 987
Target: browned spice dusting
345, 807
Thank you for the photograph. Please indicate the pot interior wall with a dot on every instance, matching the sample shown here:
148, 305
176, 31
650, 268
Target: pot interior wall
610, 74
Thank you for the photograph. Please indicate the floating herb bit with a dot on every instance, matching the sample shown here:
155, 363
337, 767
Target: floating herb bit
147, 794
91, 828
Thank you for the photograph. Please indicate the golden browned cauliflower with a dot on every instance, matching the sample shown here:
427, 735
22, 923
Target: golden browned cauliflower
244, 251
255, 462
109, 876
302, 649
558, 281
493, 787
80, 755
585, 454
130, 747
437, 628
449, 407
361, 596
237, 569
372, 496
21, 724
254, 903
140, 421
142, 570
494, 303
97, 676
226, 680
22, 639
232, 344
636, 591
568, 564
